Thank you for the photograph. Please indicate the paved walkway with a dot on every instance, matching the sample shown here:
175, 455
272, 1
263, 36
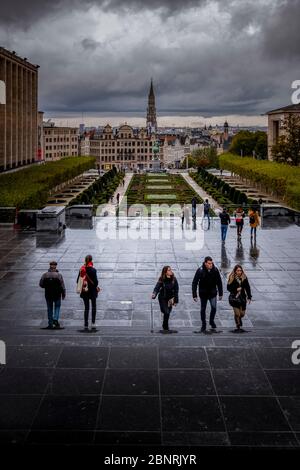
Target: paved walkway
214, 204
111, 207
124, 385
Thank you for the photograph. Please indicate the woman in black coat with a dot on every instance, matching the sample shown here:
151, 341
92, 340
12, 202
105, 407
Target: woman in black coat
167, 290
240, 292
89, 291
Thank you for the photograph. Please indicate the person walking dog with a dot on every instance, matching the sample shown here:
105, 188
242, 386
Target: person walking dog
167, 290
53, 283
208, 281
87, 287
240, 292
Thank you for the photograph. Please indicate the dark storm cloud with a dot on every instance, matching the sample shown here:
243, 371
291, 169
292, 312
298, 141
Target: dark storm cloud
282, 32
227, 57
26, 12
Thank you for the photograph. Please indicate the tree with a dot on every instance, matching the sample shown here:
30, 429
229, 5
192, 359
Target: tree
202, 158
247, 142
287, 149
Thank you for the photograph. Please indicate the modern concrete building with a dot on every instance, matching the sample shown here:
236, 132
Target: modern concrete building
18, 111
59, 141
276, 119
124, 148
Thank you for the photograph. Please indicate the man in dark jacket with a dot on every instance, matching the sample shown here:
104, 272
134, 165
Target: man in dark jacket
225, 221
208, 281
53, 283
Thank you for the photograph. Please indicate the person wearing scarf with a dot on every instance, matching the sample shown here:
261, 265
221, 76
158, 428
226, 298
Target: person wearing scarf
89, 291
239, 286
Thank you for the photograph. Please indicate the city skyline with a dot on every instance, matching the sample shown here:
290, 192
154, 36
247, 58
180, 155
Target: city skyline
209, 60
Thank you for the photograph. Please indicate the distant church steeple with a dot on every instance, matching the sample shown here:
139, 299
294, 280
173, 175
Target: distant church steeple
151, 110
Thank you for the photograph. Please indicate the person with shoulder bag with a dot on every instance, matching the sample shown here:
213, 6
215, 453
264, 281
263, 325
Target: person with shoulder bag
87, 287
167, 290
240, 292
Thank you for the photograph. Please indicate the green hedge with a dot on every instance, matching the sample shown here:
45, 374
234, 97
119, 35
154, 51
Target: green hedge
283, 180
222, 192
29, 188
101, 190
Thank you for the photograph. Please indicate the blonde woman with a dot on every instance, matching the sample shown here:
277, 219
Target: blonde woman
240, 293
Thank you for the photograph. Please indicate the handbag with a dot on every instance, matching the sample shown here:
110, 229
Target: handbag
79, 286
235, 300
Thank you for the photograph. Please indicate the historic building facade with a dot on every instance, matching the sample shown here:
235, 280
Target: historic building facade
151, 122
18, 111
276, 119
124, 147
59, 141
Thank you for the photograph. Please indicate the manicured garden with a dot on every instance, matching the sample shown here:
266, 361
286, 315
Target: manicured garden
160, 189
279, 179
29, 188
222, 192
101, 190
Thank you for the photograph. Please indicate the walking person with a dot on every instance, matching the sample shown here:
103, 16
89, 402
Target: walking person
53, 283
239, 220
182, 216
118, 198
240, 293
167, 290
206, 210
194, 207
225, 221
187, 217
87, 279
253, 221
208, 281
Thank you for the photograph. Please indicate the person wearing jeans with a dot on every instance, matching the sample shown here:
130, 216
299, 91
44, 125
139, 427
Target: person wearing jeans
89, 291
53, 283
208, 281
225, 221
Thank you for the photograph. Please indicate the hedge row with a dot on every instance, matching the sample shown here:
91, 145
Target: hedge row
279, 178
101, 190
222, 192
29, 188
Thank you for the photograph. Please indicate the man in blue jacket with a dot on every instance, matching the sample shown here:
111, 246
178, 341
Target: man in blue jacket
208, 281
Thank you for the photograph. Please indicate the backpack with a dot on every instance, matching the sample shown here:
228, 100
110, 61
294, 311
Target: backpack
252, 219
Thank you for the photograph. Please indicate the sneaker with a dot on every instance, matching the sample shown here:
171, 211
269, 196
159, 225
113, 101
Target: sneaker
56, 324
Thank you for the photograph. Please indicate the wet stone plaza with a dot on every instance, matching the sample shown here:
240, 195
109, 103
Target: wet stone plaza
124, 385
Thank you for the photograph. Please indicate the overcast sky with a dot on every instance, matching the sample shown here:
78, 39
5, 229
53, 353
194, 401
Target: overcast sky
226, 58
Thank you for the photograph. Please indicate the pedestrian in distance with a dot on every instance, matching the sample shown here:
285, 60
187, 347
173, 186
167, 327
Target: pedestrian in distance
53, 283
167, 290
208, 282
225, 222
253, 221
118, 198
87, 287
239, 220
194, 207
182, 216
187, 217
240, 293
206, 211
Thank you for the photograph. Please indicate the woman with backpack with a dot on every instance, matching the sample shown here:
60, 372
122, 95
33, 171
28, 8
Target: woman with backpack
253, 221
240, 293
239, 220
87, 287
167, 290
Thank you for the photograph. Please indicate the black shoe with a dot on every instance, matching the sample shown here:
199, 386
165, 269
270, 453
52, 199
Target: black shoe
237, 330
56, 324
213, 325
49, 327
164, 332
